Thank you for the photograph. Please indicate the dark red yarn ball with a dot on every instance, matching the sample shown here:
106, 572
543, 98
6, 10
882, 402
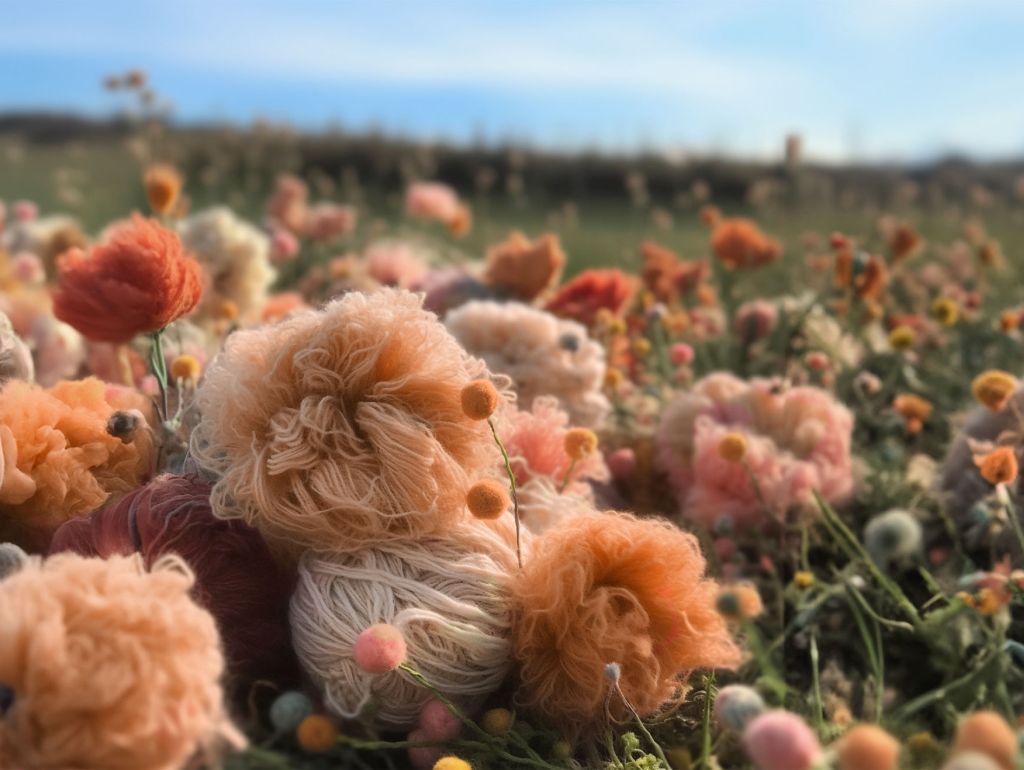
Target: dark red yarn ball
237, 579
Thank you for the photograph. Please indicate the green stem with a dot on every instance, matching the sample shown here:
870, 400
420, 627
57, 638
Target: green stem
512, 485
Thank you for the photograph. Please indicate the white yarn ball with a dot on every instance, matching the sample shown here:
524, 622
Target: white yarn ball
449, 597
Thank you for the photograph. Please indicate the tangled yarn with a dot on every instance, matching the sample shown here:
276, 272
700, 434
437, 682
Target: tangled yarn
235, 257
797, 440
611, 588
236, 578
111, 667
343, 428
449, 597
57, 349
543, 355
58, 460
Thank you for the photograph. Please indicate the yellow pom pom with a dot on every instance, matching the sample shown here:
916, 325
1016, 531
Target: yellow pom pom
497, 722
803, 579
902, 337
994, 388
186, 368
452, 763
479, 399
732, 447
316, 734
580, 442
487, 499
946, 311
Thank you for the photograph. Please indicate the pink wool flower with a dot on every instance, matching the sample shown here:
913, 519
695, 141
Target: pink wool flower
432, 200
781, 740
25, 211
535, 441
797, 441
329, 221
284, 246
395, 263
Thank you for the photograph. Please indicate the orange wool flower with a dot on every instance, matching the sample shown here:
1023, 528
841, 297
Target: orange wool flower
904, 241
914, 410
592, 291
739, 243
163, 185
139, 281
665, 275
999, 466
59, 459
524, 269
604, 588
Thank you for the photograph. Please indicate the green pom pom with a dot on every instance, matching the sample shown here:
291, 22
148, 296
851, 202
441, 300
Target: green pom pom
289, 710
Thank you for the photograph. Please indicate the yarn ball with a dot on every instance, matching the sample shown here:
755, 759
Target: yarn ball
289, 709
343, 428
988, 733
603, 588
379, 649
488, 499
797, 441
737, 705
236, 578
892, 536
57, 459
12, 558
781, 740
543, 355
235, 257
449, 597
111, 666
868, 747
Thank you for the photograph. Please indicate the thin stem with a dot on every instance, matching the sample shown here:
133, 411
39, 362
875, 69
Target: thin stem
568, 476
512, 485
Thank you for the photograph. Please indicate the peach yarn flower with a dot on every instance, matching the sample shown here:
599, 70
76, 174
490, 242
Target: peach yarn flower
343, 428
59, 460
432, 200
611, 588
110, 666
522, 269
163, 184
139, 281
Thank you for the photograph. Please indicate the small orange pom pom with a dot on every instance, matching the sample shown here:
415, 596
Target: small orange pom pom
868, 747
163, 186
487, 499
988, 733
186, 368
733, 447
316, 734
580, 442
479, 399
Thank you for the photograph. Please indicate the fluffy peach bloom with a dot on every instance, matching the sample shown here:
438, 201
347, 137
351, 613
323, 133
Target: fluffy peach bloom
139, 281
282, 305
609, 588
59, 461
666, 276
739, 243
396, 263
522, 269
111, 666
288, 206
592, 291
432, 200
329, 221
797, 440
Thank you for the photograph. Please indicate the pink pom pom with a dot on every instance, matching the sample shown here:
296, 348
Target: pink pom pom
437, 723
423, 757
379, 649
29, 268
780, 740
622, 463
25, 211
681, 354
284, 246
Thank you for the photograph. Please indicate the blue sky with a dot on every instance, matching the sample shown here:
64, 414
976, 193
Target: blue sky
865, 79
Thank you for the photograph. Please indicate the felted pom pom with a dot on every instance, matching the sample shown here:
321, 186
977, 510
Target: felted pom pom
868, 747
12, 558
488, 499
781, 740
343, 428
452, 763
497, 721
316, 734
580, 442
110, 666
438, 723
479, 399
736, 706
186, 367
289, 709
379, 649
892, 536
988, 733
